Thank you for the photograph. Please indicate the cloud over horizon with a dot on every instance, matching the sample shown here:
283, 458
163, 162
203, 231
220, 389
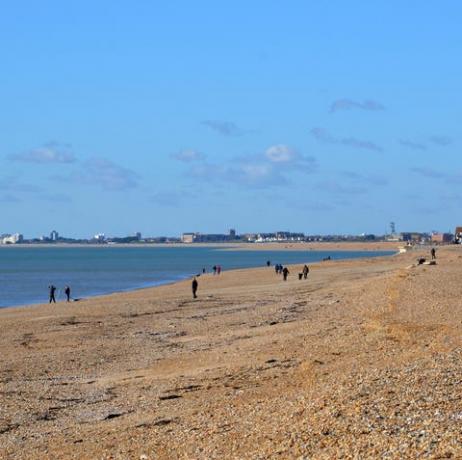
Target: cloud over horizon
412, 145
268, 169
51, 152
349, 104
188, 155
321, 135
102, 172
431, 173
225, 128
13, 184
442, 141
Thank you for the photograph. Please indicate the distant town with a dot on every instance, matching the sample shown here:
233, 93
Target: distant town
233, 237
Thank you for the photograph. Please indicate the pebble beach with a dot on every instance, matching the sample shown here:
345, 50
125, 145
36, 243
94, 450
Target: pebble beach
361, 360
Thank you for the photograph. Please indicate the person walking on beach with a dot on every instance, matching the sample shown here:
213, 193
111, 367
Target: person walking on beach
194, 286
214, 268
285, 272
218, 269
305, 271
276, 269
433, 253
67, 291
52, 290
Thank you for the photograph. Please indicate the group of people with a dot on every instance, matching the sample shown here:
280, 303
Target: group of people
422, 260
216, 270
278, 268
281, 270
52, 292
284, 271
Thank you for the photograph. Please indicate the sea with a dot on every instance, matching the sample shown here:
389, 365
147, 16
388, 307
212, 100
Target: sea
26, 272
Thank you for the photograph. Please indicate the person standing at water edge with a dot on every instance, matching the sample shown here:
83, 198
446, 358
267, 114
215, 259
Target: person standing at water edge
285, 272
67, 291
52, 290
194, 286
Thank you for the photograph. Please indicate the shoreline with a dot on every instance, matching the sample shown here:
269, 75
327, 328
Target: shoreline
283, 246
182, 278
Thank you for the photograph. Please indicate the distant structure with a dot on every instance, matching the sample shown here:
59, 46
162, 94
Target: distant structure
188, 237
195, 237
458, 235
414, 237
100, 237
15, 238
442, 238
54, 236
138, 236
279, 237
392, 228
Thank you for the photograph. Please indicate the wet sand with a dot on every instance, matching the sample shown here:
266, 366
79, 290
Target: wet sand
362, 360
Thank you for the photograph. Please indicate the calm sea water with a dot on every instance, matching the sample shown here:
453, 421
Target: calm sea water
25, 272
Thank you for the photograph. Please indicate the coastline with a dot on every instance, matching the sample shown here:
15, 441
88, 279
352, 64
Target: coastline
282, 246
255, 367
185, 276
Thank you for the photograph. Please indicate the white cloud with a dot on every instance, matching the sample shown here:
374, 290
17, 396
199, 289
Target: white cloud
225, 128
49, 153
349, 104
188, 156
280, 154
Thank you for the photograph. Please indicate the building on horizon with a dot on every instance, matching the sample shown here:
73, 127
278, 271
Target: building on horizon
196, 237
15, 238
54, 235
188, 237
100, 237
442, 238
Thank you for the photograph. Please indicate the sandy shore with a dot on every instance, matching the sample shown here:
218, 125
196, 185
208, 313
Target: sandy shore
362, 360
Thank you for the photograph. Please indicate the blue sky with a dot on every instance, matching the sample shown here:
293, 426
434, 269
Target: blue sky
164, 117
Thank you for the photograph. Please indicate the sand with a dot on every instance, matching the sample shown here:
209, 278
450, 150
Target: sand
362, 360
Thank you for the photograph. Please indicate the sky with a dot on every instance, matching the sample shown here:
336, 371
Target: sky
170, 117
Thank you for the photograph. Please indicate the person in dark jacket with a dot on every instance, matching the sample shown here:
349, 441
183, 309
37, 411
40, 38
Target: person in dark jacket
52, 290
285, 272
305, 272
194, 286
67, 291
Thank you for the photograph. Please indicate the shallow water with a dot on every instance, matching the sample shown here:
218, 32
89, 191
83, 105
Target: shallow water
26, 272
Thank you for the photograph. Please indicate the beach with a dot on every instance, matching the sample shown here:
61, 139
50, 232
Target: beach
361, 360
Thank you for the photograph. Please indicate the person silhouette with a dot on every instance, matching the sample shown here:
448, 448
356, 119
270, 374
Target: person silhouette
52, 290
67, 291
194, 286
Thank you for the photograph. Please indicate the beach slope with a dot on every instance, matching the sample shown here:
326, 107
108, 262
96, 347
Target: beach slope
362, 360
